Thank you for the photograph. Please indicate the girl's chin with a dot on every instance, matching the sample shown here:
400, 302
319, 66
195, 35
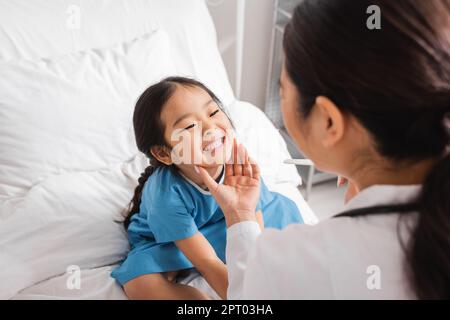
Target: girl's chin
209, 165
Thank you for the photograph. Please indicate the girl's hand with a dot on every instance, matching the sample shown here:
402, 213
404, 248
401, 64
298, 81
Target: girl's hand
239, 194
352, 190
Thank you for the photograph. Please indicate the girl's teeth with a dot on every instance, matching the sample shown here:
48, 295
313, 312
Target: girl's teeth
214, 145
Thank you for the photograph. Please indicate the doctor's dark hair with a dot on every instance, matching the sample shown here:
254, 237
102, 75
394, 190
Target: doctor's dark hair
149, 129
396, 82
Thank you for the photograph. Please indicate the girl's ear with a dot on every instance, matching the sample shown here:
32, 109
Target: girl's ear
162, 154
333, 120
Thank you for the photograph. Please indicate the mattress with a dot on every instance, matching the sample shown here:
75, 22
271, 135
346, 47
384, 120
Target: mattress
97, 284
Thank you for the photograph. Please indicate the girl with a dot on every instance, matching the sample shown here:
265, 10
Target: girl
174, 223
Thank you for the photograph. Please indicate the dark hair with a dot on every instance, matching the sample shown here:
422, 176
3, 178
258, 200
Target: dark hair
396, 82
149, 129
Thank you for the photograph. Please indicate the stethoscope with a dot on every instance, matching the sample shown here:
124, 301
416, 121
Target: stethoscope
384, 209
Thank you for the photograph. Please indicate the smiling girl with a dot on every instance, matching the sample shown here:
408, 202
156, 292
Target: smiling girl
174, 223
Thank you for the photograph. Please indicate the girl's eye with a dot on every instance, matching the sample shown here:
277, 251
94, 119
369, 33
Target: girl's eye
214, 113
189, 127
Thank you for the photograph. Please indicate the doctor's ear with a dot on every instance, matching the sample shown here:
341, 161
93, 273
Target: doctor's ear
331, 121
162, 154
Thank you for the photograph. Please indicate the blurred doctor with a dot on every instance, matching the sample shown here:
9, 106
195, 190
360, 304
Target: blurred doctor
371, 105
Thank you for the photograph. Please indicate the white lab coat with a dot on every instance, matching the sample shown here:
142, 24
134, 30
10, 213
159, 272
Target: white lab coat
339, 258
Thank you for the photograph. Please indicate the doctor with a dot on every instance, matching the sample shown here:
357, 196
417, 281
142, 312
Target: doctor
372, 106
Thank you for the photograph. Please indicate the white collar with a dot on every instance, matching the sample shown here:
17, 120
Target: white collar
196, 186
383, 195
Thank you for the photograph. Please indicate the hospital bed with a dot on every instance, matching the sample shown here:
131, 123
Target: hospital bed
70, 72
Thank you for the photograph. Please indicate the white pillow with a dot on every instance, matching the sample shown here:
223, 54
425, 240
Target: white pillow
74, 112
68, 159
45, 28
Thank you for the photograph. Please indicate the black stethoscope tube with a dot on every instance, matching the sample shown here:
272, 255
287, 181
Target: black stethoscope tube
385, 209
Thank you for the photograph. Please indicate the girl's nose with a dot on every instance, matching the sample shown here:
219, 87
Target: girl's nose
209, 128
209, 132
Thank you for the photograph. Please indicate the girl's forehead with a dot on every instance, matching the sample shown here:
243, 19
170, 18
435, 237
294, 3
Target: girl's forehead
188, 93
185, 99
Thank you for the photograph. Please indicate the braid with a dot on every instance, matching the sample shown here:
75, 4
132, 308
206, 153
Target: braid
136, 201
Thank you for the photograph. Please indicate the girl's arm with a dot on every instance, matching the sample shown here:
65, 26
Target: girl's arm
202, 255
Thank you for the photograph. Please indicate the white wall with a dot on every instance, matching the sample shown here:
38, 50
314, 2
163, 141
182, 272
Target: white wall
257, 37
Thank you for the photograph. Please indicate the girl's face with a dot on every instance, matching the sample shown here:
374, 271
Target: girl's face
197, 130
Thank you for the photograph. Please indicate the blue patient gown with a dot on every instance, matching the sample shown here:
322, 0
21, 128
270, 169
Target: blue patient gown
173, 208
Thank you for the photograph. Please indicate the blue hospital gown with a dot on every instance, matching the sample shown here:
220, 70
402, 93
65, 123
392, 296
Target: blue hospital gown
173, 208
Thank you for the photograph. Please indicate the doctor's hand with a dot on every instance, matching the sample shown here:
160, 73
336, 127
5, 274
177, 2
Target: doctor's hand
239, 194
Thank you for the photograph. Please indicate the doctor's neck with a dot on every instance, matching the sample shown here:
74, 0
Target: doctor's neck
388, 172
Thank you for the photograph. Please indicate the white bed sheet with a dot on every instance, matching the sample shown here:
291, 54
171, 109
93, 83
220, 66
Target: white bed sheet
96, 284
